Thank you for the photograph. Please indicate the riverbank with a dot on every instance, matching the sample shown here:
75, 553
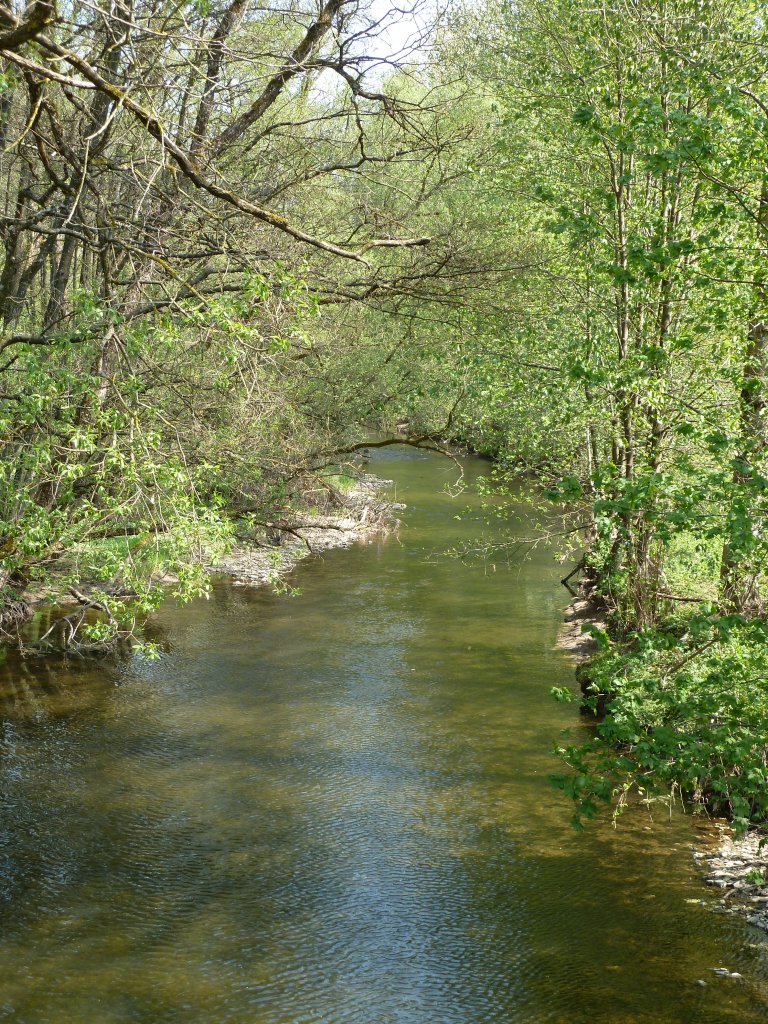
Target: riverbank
262, 555
579, 642
363, 514
736, 865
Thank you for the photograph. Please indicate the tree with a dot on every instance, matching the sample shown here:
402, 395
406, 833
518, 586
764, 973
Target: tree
632, 142
190, 195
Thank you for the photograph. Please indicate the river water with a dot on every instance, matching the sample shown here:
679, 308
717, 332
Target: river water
334, 808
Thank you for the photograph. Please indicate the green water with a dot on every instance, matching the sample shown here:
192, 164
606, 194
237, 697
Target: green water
334, 809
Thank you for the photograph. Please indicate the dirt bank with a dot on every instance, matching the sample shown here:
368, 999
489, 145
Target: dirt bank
582, 611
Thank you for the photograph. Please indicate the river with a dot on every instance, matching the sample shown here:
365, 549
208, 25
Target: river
334, 808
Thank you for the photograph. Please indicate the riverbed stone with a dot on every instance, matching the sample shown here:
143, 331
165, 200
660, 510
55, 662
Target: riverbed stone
729, 866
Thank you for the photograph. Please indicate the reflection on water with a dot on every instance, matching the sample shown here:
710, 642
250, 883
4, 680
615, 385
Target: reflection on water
335, 808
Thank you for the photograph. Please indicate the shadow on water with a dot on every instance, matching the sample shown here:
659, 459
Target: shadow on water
335, 808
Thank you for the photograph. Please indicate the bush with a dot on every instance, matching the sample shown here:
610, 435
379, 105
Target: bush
687, 716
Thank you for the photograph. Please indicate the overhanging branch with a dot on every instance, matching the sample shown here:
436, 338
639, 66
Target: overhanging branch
186, 164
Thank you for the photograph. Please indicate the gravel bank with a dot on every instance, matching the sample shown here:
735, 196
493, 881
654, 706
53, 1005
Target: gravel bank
364, 515
738, 867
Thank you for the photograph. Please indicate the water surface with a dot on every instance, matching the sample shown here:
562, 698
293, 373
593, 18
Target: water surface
334, 809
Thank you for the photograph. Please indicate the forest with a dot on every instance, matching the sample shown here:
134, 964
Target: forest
240, 239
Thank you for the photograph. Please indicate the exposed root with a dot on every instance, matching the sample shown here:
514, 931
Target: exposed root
14, 612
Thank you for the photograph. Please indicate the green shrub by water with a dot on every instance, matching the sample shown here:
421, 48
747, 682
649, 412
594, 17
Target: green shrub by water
686, 716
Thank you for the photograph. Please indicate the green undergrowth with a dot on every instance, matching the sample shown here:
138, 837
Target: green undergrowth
685, 716
340, 481
692, 566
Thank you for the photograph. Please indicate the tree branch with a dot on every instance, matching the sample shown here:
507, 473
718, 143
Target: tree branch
39, 14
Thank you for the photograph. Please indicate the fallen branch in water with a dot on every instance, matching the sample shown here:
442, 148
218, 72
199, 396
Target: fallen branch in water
89, 602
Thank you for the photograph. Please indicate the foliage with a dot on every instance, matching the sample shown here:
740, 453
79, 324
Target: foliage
628, 367
212, 256
685, 715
